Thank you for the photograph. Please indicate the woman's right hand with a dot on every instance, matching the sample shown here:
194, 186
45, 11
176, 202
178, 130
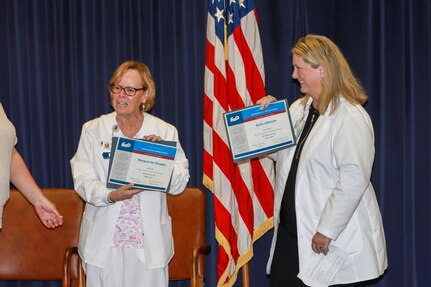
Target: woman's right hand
123, 192
265, 101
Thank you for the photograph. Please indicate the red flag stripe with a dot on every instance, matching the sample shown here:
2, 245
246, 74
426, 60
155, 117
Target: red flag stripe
235, 100
209, 62
224, 224
208, 106
223, 159
262, 184
254, 82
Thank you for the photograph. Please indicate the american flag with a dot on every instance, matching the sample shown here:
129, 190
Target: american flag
234, 78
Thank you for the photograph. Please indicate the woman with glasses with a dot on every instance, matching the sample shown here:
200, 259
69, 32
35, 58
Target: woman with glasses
126, 237
328, 227
14, 170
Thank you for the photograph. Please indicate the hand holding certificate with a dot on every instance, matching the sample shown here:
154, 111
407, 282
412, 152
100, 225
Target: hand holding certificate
253, 132
146, 164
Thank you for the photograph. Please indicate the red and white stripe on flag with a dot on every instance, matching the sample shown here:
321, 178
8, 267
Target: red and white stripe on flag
234, 78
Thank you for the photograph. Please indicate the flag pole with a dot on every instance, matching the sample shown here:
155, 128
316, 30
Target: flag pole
226, 48
245, 276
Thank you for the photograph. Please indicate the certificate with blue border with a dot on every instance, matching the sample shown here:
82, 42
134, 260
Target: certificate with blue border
146, 164
253, 132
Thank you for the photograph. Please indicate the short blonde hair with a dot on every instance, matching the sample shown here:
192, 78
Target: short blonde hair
147, 80
317, 50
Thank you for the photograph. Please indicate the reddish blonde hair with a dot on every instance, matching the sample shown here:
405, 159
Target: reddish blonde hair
147, 80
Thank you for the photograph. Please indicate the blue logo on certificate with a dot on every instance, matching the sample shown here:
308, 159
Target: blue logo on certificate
125, 144
234, 119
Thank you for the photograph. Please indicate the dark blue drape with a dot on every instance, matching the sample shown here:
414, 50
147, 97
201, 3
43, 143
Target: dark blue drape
56, 58
388, 44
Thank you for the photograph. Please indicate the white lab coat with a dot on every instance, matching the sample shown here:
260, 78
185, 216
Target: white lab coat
90, 168
334, 195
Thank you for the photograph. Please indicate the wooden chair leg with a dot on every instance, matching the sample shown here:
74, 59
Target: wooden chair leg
197, 279
81, 274
66, 267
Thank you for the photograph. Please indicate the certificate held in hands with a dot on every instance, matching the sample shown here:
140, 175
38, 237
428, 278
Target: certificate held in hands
253, 132
146, 164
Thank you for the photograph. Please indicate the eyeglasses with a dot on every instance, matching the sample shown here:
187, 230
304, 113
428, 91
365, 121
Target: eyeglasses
130, 91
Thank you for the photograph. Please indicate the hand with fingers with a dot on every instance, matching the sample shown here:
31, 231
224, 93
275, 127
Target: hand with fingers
122, 193
153, 138
265, 101
47, 213
320, 243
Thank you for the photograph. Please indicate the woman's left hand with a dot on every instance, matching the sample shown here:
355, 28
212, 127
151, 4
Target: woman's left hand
47, 213
320, 243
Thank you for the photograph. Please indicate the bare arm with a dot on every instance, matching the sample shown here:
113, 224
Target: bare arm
22, 179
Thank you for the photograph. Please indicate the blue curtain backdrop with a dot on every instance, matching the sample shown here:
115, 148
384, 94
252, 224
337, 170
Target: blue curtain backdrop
56, 58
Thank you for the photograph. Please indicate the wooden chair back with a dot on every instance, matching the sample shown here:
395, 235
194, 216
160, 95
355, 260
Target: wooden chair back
187, 211
29, 251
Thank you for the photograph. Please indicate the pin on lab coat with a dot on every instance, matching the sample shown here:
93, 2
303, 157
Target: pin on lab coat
334, 195
90, 168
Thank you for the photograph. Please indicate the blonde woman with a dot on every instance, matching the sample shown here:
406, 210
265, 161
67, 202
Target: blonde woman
324, 200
